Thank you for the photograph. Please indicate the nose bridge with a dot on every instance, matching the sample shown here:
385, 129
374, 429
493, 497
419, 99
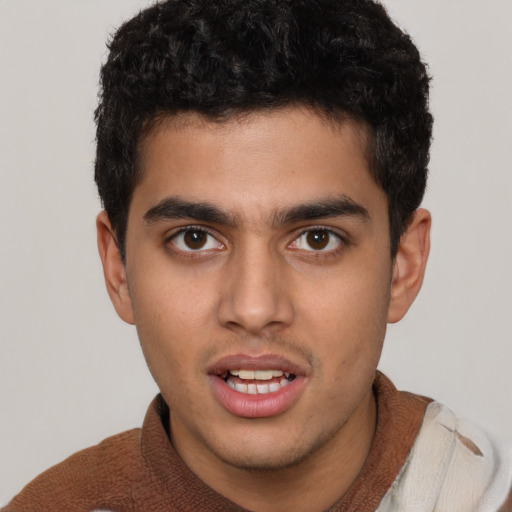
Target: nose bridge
253, 296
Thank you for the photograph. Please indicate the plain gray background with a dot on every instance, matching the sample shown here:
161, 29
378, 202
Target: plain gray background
71, 373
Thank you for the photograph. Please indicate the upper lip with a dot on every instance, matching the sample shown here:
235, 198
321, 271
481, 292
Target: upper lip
249, 362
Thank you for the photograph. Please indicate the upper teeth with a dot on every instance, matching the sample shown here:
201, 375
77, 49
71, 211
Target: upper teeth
257, 374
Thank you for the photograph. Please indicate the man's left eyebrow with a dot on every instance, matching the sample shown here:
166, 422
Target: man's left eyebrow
328, 208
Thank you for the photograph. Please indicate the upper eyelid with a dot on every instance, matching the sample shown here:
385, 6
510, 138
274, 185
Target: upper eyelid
168, 239
190, 227
334, 231
344, 241
298, 232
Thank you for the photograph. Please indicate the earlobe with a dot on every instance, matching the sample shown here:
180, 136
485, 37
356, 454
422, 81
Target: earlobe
410, 264
113, 269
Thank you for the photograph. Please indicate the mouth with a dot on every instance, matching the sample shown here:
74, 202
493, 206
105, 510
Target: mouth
256, 387
257, 382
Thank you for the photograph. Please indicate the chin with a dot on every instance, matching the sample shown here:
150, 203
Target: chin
258, 456
263, 462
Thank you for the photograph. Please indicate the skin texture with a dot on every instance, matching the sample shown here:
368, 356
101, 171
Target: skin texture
257, 285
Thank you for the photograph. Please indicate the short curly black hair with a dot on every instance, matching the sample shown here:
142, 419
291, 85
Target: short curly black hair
343, 58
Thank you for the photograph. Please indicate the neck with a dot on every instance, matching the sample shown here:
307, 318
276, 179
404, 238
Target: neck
322, 478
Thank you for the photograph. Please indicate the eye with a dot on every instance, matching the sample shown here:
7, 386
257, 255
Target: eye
320, 240
195, 239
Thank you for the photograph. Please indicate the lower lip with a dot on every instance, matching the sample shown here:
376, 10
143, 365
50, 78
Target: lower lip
257, 406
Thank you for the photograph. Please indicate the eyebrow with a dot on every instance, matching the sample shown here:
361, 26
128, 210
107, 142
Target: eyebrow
327, 208
176, 208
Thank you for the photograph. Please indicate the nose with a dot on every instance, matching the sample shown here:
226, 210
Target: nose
254, 296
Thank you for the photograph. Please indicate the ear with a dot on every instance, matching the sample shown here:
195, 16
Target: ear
113, 269
409, 266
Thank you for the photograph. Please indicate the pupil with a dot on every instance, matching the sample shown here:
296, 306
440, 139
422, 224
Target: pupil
318, 239
195, 239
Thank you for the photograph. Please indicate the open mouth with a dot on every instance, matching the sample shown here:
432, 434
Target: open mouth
257, 387
257, 382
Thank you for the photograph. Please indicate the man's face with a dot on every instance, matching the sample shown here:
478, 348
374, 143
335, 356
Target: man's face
259, 244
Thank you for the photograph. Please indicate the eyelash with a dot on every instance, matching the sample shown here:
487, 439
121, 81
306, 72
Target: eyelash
343, 242
190, 229
322, 253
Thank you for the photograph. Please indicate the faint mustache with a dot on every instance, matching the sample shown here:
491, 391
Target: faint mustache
257, 345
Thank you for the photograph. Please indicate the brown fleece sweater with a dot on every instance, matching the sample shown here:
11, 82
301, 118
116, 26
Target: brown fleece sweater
139, 470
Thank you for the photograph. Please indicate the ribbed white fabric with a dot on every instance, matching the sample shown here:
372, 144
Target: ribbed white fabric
453, 466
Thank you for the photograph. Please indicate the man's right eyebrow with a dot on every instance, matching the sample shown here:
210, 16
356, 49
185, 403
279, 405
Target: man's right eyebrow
176, 208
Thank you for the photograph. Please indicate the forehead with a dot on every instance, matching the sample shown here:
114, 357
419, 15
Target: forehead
257, 162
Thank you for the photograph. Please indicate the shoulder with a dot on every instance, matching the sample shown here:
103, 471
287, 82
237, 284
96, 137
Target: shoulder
453, 465
85, 480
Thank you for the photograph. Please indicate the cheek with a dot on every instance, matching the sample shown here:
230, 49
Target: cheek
346, 299
171, 319
170, 301
345, 316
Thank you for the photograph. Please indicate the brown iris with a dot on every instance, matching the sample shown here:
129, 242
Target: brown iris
195, 239
318, 239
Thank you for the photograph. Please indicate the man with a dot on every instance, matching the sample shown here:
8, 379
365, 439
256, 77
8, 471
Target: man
261, 166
